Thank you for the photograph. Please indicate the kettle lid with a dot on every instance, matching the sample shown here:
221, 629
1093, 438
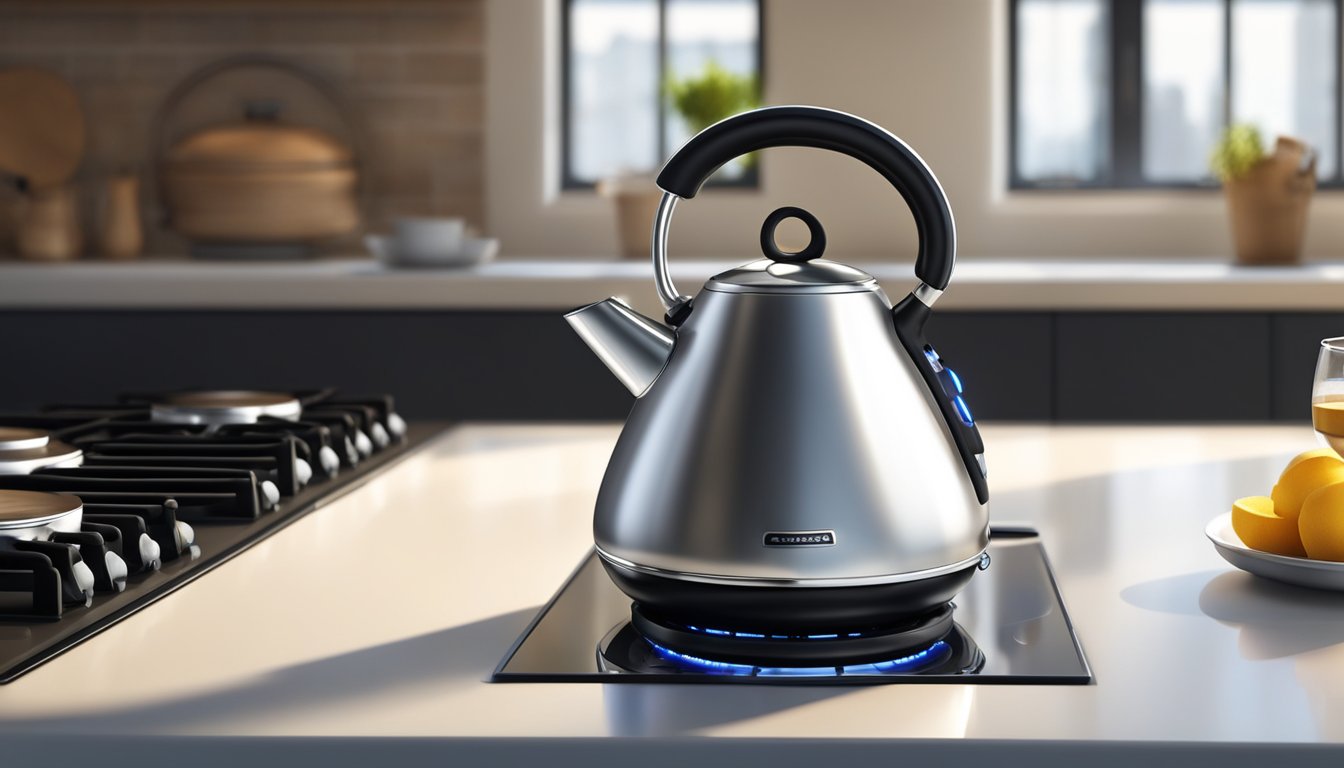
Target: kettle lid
813, 276
797, 272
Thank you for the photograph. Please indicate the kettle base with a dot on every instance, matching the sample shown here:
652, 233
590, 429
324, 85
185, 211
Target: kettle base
787, 608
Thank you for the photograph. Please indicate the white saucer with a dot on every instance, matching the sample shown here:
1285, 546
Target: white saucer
1319, 574
475, 250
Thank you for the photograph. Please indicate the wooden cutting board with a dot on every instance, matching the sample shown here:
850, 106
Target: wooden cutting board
42, 133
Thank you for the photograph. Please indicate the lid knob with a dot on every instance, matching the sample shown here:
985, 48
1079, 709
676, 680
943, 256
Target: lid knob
816, 246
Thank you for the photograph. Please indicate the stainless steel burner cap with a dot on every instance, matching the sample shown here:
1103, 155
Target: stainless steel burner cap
21, 510
22, 438
225, 407
23, 450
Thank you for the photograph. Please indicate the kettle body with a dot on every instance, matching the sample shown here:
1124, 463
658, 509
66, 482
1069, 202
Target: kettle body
798, 456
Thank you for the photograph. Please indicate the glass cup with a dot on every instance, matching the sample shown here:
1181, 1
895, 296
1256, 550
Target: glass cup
1327, 394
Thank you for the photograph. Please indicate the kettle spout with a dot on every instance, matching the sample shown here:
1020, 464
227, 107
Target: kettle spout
631, 345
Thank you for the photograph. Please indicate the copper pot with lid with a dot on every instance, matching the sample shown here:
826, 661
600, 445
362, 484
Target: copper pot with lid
262, 180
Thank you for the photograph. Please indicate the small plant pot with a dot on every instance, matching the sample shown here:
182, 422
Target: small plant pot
635, 199
1268, 209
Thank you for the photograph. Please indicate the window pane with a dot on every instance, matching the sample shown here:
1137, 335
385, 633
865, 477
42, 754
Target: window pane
703, 31
1182, 87
1283, 71
614, 90
1062, 74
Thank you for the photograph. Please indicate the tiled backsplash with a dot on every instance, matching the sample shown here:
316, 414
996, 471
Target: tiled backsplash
412, 72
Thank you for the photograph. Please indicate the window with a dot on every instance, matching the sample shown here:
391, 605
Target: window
1134, 93
618, 54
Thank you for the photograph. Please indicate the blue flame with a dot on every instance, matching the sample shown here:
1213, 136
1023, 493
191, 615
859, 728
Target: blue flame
912, 663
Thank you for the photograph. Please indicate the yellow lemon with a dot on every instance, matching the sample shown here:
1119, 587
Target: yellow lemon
1259, 528
1312, 454
1321, 523
1304, 474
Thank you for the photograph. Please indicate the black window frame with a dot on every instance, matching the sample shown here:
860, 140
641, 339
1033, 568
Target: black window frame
1125, 167
750, 179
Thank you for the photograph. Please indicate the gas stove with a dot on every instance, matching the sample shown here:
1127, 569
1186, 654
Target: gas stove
104, 508
1009, 626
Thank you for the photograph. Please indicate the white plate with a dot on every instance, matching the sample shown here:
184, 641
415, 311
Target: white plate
1320, 574
475, 250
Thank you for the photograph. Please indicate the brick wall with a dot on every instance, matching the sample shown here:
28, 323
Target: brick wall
412, 73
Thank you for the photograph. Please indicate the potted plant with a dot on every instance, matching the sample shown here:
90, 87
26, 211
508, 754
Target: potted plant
1267, 194
700, 100
704, 99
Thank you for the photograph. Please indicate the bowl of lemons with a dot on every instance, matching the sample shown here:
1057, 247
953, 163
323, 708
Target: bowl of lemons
1296, 533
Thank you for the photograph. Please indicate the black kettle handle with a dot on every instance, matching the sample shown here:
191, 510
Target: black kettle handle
797, 126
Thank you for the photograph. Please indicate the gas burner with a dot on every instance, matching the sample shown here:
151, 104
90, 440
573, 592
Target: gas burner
760, 646
22, 511
1009, 626
23, 450
41, 533
224, 407
626, 650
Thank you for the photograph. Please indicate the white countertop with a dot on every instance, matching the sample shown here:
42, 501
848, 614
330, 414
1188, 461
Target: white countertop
367, 630
552, 284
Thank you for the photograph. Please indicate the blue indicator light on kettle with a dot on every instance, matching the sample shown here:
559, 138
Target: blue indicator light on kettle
956, 380
963, 410
933, 359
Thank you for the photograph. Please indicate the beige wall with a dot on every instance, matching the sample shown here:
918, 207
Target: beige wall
932, 72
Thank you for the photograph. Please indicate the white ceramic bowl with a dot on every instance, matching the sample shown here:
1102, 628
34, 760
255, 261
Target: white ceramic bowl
474, 251
426, 238
1319, 574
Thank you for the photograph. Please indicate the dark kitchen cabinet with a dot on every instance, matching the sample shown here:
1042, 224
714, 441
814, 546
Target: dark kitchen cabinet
1295, 342
460, 365
1005, 359
1018, 366
1141, 366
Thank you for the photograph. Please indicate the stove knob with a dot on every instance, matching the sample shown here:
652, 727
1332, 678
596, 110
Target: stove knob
303, 471
116, 570
185, 535
363, 444
331, 463
351, 455
396, 425
84, 580
150, 552
380, 436
268, 494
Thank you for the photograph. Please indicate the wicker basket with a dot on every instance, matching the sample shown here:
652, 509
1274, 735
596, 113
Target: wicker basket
1268, 206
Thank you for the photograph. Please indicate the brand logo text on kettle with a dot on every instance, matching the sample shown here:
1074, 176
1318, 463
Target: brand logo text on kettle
799, 538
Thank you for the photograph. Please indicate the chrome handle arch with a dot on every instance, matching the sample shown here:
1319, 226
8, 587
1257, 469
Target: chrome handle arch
662, 281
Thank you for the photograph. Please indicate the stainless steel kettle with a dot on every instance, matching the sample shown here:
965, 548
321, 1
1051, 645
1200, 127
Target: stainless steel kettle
798, 455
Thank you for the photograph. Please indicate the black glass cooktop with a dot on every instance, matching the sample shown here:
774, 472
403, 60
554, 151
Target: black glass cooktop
165, 494
1009, 626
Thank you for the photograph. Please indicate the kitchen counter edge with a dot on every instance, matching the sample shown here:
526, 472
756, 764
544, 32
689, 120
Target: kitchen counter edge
551, 284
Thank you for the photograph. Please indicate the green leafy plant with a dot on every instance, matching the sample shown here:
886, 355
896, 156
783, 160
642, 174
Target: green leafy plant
712, 95
1237, 151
